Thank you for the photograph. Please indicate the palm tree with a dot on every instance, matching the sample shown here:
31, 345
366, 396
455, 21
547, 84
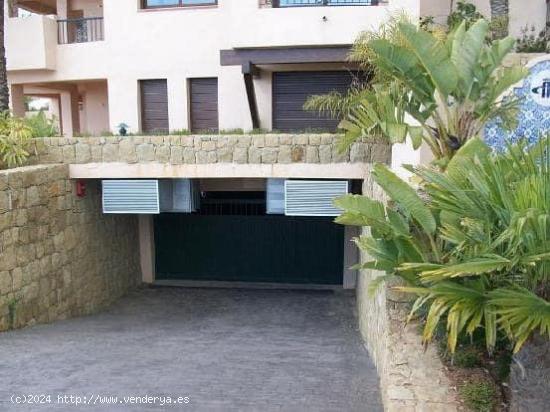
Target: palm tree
499, 8
500, 11
4, 90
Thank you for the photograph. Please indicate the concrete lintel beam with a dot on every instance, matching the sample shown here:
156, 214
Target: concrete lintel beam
219, 170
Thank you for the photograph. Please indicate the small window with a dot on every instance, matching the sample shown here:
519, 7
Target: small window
315, 3
153, 4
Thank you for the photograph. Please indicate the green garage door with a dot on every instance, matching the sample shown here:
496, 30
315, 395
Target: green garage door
249, 248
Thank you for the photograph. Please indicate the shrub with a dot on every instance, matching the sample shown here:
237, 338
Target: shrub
465, 12
41, 125
180, 132
479, 395
531, 42
14, 140
474, 247
468, 357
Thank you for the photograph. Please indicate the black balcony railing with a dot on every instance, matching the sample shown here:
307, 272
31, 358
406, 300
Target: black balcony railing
82, 30
314, 3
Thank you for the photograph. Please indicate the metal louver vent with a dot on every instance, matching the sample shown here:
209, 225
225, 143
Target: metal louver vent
313, 197
179, 196
131, 197
275, 197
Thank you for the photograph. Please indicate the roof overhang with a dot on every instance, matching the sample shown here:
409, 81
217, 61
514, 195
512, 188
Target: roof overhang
38, 6
285, 55
250, 58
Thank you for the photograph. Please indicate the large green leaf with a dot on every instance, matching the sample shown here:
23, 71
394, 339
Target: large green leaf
398, 223
409, 249
498, 51
521, 312
473, 266
402, 63
465, 155
465, 306
405, 196
372, 209
433, 56
362, 211
466, 51
383, 252
416, 133
508, 77
496, 87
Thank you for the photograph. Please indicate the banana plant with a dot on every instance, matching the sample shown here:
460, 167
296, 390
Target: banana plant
474, 245
436, 88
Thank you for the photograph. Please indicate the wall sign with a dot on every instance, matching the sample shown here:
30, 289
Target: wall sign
534, 115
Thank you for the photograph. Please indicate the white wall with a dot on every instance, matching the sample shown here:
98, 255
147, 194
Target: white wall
91, 8
179, 44
95, 113
532, 12
522, 12
31, 43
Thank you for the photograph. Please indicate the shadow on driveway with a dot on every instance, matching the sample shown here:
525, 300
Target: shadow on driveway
225, 349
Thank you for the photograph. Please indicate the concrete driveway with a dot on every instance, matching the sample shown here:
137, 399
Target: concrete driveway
206, 349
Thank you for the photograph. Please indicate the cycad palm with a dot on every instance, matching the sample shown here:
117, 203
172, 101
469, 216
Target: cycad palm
477, 252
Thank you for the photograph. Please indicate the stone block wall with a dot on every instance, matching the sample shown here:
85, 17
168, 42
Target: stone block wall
270, 149
59, 255
412, 378
530, 376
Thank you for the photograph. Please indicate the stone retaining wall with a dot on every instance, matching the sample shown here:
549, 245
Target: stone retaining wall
59, 255
530, 376
270, 149
412, 378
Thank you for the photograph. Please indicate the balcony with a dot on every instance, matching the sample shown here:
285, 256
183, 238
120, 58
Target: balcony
80, 30
31, 43
321, 3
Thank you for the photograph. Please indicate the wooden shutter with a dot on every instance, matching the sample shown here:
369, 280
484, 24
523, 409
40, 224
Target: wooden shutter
292, 89
154, 106
204, 104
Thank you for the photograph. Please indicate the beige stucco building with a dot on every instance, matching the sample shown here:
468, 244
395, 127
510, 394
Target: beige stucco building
94, 58
96, 215
93, 65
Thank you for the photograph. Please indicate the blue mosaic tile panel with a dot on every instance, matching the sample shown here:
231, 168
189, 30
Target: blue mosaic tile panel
534, 115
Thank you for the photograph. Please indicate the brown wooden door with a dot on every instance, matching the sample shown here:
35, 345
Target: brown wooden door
203, 95
292, 89
154, 106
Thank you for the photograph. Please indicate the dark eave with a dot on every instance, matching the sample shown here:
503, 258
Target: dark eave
250, 59
38, 6
285, 55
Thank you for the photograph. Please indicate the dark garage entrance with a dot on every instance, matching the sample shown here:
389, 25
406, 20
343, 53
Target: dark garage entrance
261, 248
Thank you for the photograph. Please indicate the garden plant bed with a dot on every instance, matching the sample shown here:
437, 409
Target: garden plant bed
481, 380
